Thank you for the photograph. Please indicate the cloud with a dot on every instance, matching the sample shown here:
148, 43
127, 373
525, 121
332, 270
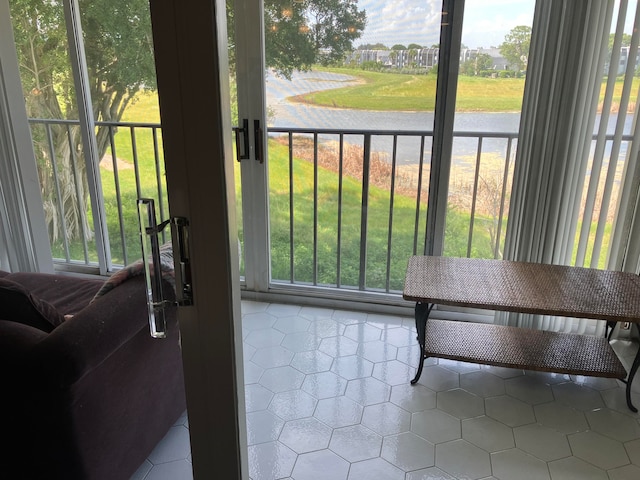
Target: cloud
402, 21
418, 21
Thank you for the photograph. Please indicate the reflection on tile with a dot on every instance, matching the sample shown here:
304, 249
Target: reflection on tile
408, 451
413, 398
270, 460
327, 396
355, 443
320, 465
306, 435
386, 418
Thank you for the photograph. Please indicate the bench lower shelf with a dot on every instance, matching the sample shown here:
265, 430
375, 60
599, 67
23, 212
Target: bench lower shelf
514, 347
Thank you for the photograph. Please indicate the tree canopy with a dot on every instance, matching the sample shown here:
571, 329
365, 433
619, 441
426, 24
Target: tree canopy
119, 58
515, 48
300, 34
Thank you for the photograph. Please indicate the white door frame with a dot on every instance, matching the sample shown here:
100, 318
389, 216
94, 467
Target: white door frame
192, 68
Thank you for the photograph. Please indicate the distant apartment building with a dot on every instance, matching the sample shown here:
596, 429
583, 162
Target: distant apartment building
420, 58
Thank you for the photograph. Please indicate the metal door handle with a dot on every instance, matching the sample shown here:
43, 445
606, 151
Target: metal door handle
242, 153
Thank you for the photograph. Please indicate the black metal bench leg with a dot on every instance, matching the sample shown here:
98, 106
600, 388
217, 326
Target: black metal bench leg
632, 373
422, 314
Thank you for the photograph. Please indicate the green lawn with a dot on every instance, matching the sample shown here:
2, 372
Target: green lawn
399, 91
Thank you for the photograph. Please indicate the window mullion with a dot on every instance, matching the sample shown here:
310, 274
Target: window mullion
448, 66
87, 129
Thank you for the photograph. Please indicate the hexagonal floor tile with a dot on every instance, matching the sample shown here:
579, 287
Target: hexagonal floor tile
270, 460
263, 426
431, 473
573, 467
256, 397
312, 362
628, 472
305, 435
362, 332
281, 379
393, 372
580, 398
408, 451
613, 424
386, 419
439, 379
349, 317
272, 357
435, 426
352, 367
460, 403
257, 321
338, 346
355, 443
413, 398
482, 383
542, 442
561, 417
301, 341
377, 351
324, 385
487, 433
293, 404
283, 310
514, 463
601, 451
368, 391
510, 411
463, 460
292, 324
399, 337
375, 469
320, 465
529, 389
266, 337
326, 327
338, 411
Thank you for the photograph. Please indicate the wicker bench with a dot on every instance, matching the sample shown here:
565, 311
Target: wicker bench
525, 288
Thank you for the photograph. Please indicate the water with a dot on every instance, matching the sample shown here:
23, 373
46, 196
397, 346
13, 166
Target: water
284, 113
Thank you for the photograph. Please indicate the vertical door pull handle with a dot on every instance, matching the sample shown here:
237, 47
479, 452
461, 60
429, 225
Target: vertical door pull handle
149, 229
242, 153
257, 136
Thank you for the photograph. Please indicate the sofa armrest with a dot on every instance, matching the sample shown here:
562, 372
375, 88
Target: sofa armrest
87, 339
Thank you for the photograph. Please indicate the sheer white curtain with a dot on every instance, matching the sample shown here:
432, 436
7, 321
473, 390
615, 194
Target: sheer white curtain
565, 68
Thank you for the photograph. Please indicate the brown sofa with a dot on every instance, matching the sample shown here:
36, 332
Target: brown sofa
89, 396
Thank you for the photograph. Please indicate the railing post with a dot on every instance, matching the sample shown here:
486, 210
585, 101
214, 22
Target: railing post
366, 158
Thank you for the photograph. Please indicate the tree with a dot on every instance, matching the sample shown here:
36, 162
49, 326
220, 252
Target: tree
372, 46
300, 34
119, 55
515, 47
398, 46
414, 46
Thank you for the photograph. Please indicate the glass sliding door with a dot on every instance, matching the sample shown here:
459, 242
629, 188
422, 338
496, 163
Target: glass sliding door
346, 95
490, 87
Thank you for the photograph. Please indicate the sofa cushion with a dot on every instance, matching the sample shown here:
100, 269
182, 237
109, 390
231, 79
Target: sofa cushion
17, 304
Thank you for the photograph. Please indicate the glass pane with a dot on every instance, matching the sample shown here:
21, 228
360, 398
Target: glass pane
493, 64
233, 86
350, 98
47, 80
122, 82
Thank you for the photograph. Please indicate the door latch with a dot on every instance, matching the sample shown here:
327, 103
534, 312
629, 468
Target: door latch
154, 258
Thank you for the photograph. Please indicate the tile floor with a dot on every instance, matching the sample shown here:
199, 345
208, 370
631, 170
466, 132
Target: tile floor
328, 397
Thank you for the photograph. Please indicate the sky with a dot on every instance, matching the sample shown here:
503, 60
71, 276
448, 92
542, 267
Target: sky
486, 22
